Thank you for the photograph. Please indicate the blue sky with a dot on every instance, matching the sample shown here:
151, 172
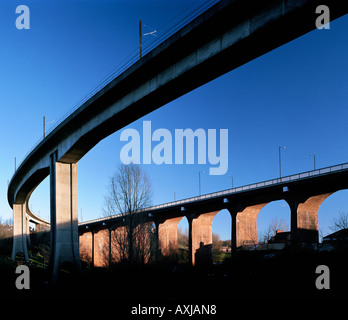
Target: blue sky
294, 96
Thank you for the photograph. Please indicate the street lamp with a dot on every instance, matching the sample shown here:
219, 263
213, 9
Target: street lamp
232, 180
199, 180
280, 161
312, 154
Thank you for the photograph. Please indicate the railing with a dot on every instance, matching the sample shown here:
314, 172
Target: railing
165, 32
282, 180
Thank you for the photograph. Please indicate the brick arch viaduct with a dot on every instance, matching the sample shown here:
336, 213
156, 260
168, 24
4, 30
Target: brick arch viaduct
304, 193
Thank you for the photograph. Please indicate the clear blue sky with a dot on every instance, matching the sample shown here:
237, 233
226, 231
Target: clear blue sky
294, 96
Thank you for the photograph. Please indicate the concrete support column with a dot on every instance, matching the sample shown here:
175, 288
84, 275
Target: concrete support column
304, 218
168, 236
64, 216
202, 239
28, 231
20, 231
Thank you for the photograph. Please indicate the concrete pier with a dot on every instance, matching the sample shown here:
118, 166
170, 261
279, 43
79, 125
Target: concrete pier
64, 216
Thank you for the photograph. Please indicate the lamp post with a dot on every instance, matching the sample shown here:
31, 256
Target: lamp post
199, 180
232, 181
140, 41
312, 154
280, 161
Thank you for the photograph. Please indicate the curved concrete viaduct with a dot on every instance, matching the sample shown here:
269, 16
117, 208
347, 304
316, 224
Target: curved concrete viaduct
224, 37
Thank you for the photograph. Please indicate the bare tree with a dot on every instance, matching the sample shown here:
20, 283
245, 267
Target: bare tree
183, 238
216, 247
129, 192
6, 233
272, 229
340, 222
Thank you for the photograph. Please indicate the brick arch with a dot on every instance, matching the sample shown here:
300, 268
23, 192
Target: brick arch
167, 233
278, 214
304, 217
339, 193
226, 224
307, 212
225, 214
246, 225
202, 237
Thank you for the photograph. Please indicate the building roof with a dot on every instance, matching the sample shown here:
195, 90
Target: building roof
338, 235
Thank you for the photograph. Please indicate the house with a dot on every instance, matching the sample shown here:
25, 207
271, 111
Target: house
280, 237
340, 235
335, 240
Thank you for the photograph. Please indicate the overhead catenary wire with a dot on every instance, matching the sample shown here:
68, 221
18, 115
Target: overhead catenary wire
162, 34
